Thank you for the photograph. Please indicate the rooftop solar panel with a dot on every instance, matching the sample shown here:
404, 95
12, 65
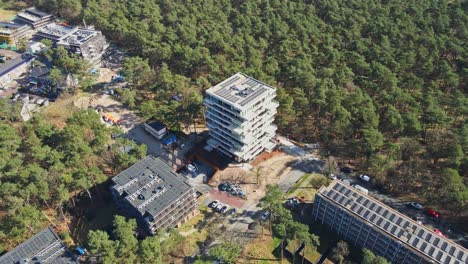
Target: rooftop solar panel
393, 223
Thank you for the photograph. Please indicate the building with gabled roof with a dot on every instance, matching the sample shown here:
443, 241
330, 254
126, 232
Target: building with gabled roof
368, 223
154, 194
43, 248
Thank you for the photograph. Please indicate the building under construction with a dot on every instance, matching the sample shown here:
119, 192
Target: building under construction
88, 43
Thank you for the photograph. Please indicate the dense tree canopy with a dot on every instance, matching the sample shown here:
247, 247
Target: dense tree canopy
43, 167
361, 76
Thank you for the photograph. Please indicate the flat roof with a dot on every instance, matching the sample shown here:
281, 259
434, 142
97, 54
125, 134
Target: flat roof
44, 247
156, 125
239, 90
57, 31
14, 63
78, 37
8, 27
150, 185
395, 224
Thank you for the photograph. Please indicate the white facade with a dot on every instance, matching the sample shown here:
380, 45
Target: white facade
240, 112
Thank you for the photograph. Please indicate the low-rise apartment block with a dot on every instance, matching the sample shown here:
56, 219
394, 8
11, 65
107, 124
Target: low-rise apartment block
155, 195
44, 247
240, 112
34, 18
12, 33
368, 223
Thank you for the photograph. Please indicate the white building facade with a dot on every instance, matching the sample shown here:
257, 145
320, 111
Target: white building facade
240, 112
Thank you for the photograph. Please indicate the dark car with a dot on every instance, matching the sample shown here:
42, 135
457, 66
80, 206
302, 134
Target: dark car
252, 226
232, 211
222, 187
346, 170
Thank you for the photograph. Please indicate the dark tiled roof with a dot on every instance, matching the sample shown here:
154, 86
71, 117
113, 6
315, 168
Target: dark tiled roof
156, 125
44, 247
37, 72
150, 185
395, 224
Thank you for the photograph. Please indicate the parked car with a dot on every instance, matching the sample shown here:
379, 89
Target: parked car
265, 215
224, 209
415, 205
437, 231
346, 170
332, 176
219, 207
214, 204
346, 182
432, 213
364, 177
222, 187
191, 167
232, 211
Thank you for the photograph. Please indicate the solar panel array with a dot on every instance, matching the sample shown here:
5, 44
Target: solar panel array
44, 247
240, 89
150, 185
396, 224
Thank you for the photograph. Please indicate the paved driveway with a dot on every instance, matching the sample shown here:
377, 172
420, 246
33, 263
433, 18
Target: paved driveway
174, 158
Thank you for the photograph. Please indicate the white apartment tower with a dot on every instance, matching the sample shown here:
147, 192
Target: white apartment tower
239, 114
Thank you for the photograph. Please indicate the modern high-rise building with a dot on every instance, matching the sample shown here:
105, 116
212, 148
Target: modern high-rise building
240, 112
155, 195
368, 223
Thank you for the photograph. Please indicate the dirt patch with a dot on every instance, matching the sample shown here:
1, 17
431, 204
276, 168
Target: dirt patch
105, 75
264, 157
253, 180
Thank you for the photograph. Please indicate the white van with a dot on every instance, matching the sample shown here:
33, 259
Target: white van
361, 189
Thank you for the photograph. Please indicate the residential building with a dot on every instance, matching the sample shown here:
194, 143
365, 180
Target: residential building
240, 112
90, 44
34, 18
12, 69
12, 33
368, 223
155, 195
44, 247
156, 128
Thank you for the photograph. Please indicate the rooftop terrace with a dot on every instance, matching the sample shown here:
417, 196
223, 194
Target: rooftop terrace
395, 224
240, 90
150, 185
57, 31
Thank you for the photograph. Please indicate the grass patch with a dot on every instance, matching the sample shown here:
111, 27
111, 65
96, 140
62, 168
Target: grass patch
294, 188
260, 251
7, 15
193, 241
192, 223
59, 111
